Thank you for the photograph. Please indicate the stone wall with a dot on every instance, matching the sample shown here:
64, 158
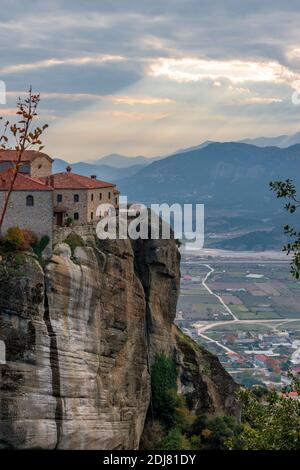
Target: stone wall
41, 167
68, 202
38, 218
89, 200
97, 197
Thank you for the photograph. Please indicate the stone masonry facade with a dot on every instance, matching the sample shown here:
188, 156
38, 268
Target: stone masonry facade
37, 218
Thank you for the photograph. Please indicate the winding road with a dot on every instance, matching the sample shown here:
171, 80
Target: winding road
211, 270
204, 326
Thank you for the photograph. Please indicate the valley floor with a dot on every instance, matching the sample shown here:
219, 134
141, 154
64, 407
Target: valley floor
245, 307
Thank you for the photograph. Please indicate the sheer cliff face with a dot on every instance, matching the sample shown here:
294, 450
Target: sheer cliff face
80, 338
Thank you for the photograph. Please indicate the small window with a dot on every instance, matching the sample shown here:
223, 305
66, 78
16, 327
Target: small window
116, 201
25, 168
59, 198
92, 215
92, 197
29, 201
109, 195
76, 197
76, 216
100, 196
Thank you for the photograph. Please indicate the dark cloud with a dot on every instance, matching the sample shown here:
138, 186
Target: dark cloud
142, 31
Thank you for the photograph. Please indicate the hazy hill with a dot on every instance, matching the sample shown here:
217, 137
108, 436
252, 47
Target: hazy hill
120, 161
254, 241
232, 180
282, 141
104, 172
222, 175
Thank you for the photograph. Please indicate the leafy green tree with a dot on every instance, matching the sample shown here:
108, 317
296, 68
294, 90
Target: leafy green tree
164, 390
174, 440
271, 422
287, 190
213, 432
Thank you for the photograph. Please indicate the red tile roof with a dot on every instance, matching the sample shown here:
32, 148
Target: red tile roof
292, 394
261, 357
22, 183
28, 155
71, 180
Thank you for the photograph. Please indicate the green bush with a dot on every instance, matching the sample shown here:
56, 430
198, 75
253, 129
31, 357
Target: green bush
14, 238
17, 239
174, 440
39, 246
74, 240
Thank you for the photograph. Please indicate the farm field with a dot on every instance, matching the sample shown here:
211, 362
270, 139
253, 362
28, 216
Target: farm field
247, 311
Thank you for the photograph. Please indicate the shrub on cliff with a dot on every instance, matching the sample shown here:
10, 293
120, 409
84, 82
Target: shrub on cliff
14, 239
165, 399
17, 239
74, 240
40, 245
179, 428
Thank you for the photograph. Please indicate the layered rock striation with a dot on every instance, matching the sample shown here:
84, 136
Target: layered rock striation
81, 334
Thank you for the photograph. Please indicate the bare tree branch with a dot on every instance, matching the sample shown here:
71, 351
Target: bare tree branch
24, 137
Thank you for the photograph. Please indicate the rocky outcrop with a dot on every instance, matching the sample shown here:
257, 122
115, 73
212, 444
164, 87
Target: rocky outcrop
81, 335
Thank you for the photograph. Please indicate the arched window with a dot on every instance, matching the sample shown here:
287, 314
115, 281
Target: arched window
76, 197
109, 195
29, 201
76, 216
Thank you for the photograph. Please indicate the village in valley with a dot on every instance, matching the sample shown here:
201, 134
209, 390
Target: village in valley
245, 309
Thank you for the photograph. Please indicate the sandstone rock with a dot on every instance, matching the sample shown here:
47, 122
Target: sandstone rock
80, 337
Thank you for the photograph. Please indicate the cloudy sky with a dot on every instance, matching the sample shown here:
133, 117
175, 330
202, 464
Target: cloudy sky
146, 77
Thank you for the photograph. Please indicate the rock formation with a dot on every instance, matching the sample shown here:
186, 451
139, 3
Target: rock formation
81, 334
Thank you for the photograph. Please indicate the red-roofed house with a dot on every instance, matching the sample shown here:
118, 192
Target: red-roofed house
78, 197
33, 163
41, 199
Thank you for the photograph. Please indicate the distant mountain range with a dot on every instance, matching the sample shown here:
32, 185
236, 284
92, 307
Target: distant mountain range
229, 174
110, 168
231, 179
108, 165
104, 172
282, 141
121, 161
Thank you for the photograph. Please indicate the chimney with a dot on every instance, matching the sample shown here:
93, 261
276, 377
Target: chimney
94, 177
69, 169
